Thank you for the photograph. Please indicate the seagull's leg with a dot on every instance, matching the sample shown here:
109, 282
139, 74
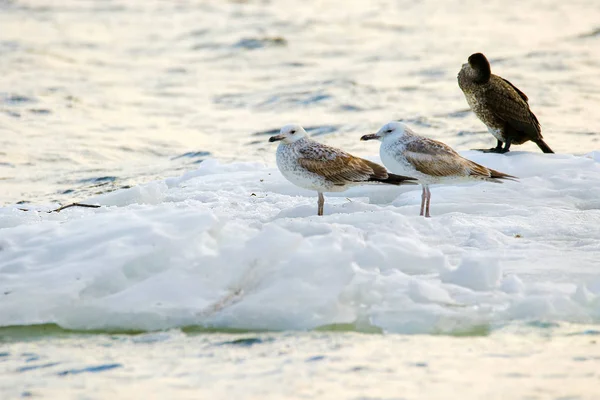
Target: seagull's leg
321, 203
428, 201
423, 197
506, 147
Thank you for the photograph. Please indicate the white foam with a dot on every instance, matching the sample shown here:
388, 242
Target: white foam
237, 246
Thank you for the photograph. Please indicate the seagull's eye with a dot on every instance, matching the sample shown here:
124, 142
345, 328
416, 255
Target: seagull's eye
388, 131
292, 132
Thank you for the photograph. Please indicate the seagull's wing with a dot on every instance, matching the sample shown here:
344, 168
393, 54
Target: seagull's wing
339, 167
435, 158
507, 103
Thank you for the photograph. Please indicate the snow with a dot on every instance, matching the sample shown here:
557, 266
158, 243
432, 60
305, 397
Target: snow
237, 246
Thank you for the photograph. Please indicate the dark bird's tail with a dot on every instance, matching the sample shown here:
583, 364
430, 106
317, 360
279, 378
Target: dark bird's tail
394, 179
542, 145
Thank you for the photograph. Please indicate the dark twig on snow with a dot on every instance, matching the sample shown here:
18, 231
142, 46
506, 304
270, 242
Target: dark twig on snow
59, 209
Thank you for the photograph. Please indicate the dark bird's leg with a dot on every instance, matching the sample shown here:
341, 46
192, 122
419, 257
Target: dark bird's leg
497, 149
423, 197
506, 146
321, 203
428, 201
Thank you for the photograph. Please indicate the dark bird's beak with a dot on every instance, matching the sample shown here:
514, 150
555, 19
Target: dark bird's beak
370, 137
275, 138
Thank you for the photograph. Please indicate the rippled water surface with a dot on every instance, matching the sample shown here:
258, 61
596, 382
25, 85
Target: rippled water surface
97, 95
541, 363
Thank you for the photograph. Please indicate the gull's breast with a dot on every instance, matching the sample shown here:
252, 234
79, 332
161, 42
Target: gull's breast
287, 162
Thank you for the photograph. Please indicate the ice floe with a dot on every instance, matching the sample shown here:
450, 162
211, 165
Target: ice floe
237, 246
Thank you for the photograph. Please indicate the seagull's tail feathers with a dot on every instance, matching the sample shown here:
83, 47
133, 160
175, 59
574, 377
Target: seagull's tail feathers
497, 176
393, 179
488, 174
378, 173
501, 175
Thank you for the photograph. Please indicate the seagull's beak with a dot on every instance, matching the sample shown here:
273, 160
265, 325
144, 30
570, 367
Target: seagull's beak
370, 137
276, 138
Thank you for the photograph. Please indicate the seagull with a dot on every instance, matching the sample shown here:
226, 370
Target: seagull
314, 166
502, 107
404, 152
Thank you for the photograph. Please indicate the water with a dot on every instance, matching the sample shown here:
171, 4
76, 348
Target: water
98, 95
101, 95
537, 363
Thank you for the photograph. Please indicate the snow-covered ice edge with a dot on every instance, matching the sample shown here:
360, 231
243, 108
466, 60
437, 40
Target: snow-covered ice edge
237, 246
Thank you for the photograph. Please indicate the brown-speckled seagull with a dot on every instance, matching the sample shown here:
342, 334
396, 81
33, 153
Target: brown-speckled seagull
502, 107
314, 166
404, 152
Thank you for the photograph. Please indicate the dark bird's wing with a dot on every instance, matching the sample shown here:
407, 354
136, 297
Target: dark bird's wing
523, 95
509, 104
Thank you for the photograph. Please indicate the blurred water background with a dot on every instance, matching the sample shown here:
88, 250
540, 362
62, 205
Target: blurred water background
98, 95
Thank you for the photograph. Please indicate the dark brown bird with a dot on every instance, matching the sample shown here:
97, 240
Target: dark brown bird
499, 105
